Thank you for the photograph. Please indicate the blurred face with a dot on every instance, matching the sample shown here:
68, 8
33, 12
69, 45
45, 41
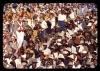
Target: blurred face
91, 50
13, 58
84, 62
95, 62
41, 56
77, 62
13, 39
83, 6
34, 65
92, 41
43, 62
36, 21
70, 66
48, 64
60, 67
9, 55
27, 56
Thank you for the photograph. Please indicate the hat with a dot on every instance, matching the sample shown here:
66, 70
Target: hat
65, 52
51, 56
23, 56
92, 20
44, 43
61, 56
53, 47
23, 63
74, 52
71, 56
89, 24
34, 61
58, 40
59, 44
81, 48
84, 52
87, 17
10, 52
68, 50
62, 64
31, 51
70, 63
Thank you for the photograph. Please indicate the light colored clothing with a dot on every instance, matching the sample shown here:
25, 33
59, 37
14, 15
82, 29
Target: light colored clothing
44, 25
47, 51
61, 17
8, 60
77, 67
52, 23
20, 38
38, 62
72, 15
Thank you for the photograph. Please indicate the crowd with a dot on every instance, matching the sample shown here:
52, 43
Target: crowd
50, 35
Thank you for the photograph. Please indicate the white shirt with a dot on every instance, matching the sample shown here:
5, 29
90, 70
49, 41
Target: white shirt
50, 67
77, 67
80, 26
96, 22
70, 31
24, 56
8, 60
18, 62
52, 23
72, 15
72, 49
38, 62
61, 17
44, 25
47, 51
82, 10
56, 55
31, 23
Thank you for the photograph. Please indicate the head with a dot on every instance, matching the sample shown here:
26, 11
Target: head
83, 5
43, 62
48, 64
42, 56
34, 65
70, 64
95, 61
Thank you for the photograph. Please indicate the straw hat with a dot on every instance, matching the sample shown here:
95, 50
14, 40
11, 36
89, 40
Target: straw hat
71, 56
59, 44
65, 52
84, 52
61, 56
62, 64
89, 24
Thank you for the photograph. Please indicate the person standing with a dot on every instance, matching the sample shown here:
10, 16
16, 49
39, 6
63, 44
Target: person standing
20, 35
61, 20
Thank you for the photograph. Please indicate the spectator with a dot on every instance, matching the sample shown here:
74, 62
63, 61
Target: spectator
50, 35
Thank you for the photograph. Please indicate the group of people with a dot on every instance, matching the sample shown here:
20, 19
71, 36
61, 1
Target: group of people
50, 35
